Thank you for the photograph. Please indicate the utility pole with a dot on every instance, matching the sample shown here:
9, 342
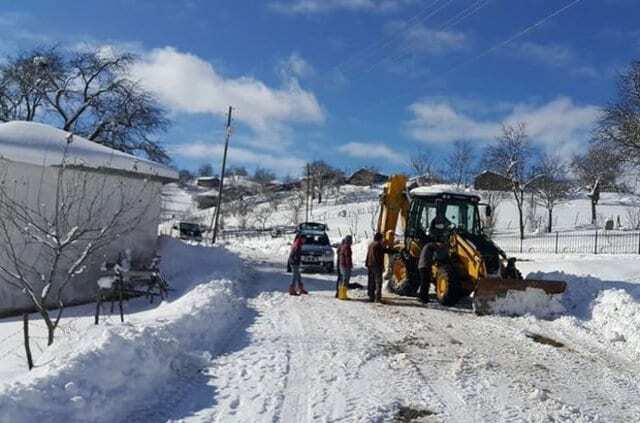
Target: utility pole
220, 188
308, 209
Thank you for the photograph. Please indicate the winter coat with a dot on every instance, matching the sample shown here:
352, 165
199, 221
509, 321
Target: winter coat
375, 256
295, 256
345, 257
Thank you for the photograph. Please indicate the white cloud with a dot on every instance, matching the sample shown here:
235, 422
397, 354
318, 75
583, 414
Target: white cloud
361, 150
422, 39
555, 55
295, 67
549, 54
324, 6
187, 83
559, 125
238, 155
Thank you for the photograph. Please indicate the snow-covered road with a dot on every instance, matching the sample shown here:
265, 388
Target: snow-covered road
233, 346
314, 358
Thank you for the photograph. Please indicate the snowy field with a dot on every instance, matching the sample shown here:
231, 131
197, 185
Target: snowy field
231, 346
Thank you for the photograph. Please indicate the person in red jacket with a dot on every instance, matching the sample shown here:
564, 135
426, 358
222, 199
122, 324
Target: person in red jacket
295, 257
345, 261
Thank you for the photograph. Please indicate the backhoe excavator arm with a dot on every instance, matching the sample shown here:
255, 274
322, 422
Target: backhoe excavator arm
394, 206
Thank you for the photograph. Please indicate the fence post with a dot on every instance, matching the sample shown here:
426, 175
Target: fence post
595, 244
556, 242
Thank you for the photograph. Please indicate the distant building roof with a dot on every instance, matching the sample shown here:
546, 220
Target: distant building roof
44, 145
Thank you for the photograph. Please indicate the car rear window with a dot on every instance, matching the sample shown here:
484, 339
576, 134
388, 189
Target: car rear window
316, 239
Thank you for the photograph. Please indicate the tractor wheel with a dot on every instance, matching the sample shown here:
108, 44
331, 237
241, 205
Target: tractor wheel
404, 276
448, 289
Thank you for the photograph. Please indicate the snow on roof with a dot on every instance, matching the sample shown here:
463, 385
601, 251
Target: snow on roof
44, 145
442, 189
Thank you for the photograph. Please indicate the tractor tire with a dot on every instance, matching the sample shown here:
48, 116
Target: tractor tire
448, 287
404, 276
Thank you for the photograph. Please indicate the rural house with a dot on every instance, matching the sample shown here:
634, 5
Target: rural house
53, 176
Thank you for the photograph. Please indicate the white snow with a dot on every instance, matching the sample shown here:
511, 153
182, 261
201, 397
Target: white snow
231, 345
530, 302
44, 145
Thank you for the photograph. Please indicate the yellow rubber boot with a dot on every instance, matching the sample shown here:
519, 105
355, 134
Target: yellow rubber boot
342, 292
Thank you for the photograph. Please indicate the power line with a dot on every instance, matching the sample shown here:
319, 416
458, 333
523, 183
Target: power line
428, 12
509, 40
490, 50
456, 19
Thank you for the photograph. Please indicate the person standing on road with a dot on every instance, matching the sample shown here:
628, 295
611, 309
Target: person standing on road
375, 266
339, 278
345, 261
295, 258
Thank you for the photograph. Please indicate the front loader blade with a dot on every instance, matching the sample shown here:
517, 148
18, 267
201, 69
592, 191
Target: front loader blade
488, 290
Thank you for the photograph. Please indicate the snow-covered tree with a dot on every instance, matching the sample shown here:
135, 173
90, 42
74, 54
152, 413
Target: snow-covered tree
459, 163
511, 156
551, 185
85, 92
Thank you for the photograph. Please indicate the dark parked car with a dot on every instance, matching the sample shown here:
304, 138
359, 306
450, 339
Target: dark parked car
187, 231
317, 253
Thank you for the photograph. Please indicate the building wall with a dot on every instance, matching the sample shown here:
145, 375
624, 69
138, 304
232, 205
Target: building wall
93, 197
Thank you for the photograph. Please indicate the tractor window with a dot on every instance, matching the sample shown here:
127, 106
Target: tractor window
452, 213
427, 215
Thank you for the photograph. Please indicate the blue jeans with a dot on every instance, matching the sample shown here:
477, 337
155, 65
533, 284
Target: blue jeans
296, 277
345, 276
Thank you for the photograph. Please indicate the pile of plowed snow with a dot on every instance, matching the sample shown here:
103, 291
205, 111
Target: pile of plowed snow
608, 310
113, 370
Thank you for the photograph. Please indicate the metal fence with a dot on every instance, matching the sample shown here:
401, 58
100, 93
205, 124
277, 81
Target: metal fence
582, 242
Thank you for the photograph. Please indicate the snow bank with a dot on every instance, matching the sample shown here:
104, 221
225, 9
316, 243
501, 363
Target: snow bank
534, 302
113, 370
610, 310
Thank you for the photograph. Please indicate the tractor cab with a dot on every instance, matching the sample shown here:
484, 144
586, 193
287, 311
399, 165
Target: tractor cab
433, 216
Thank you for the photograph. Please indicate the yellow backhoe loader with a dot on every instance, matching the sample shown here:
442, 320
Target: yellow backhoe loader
472, 264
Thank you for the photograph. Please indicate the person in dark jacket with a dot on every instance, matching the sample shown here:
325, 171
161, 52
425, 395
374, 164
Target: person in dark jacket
295, 258
427, 256
345, 261
375, 267
339, 278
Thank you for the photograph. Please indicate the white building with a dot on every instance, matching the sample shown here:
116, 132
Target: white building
97, 184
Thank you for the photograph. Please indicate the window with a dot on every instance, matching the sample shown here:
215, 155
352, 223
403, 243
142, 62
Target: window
426, 216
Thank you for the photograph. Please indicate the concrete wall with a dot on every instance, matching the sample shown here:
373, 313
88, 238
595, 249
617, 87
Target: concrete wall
93, 197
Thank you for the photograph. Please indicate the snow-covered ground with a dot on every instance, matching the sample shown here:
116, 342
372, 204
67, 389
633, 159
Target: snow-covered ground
230, 345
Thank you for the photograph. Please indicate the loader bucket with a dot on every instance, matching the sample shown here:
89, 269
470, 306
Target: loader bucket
488, 290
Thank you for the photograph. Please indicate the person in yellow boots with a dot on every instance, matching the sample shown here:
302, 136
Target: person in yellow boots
345, 262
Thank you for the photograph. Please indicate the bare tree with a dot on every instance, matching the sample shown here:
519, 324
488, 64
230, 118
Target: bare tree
619, 126
552, 184
597, 169
262, 214
46, 245
460, 161
323, 176
422, 165
205, 170
241, 209
85, 92
493, 200
510, 156
296, 202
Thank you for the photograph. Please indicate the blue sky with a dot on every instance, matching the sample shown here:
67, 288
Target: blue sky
353, 82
